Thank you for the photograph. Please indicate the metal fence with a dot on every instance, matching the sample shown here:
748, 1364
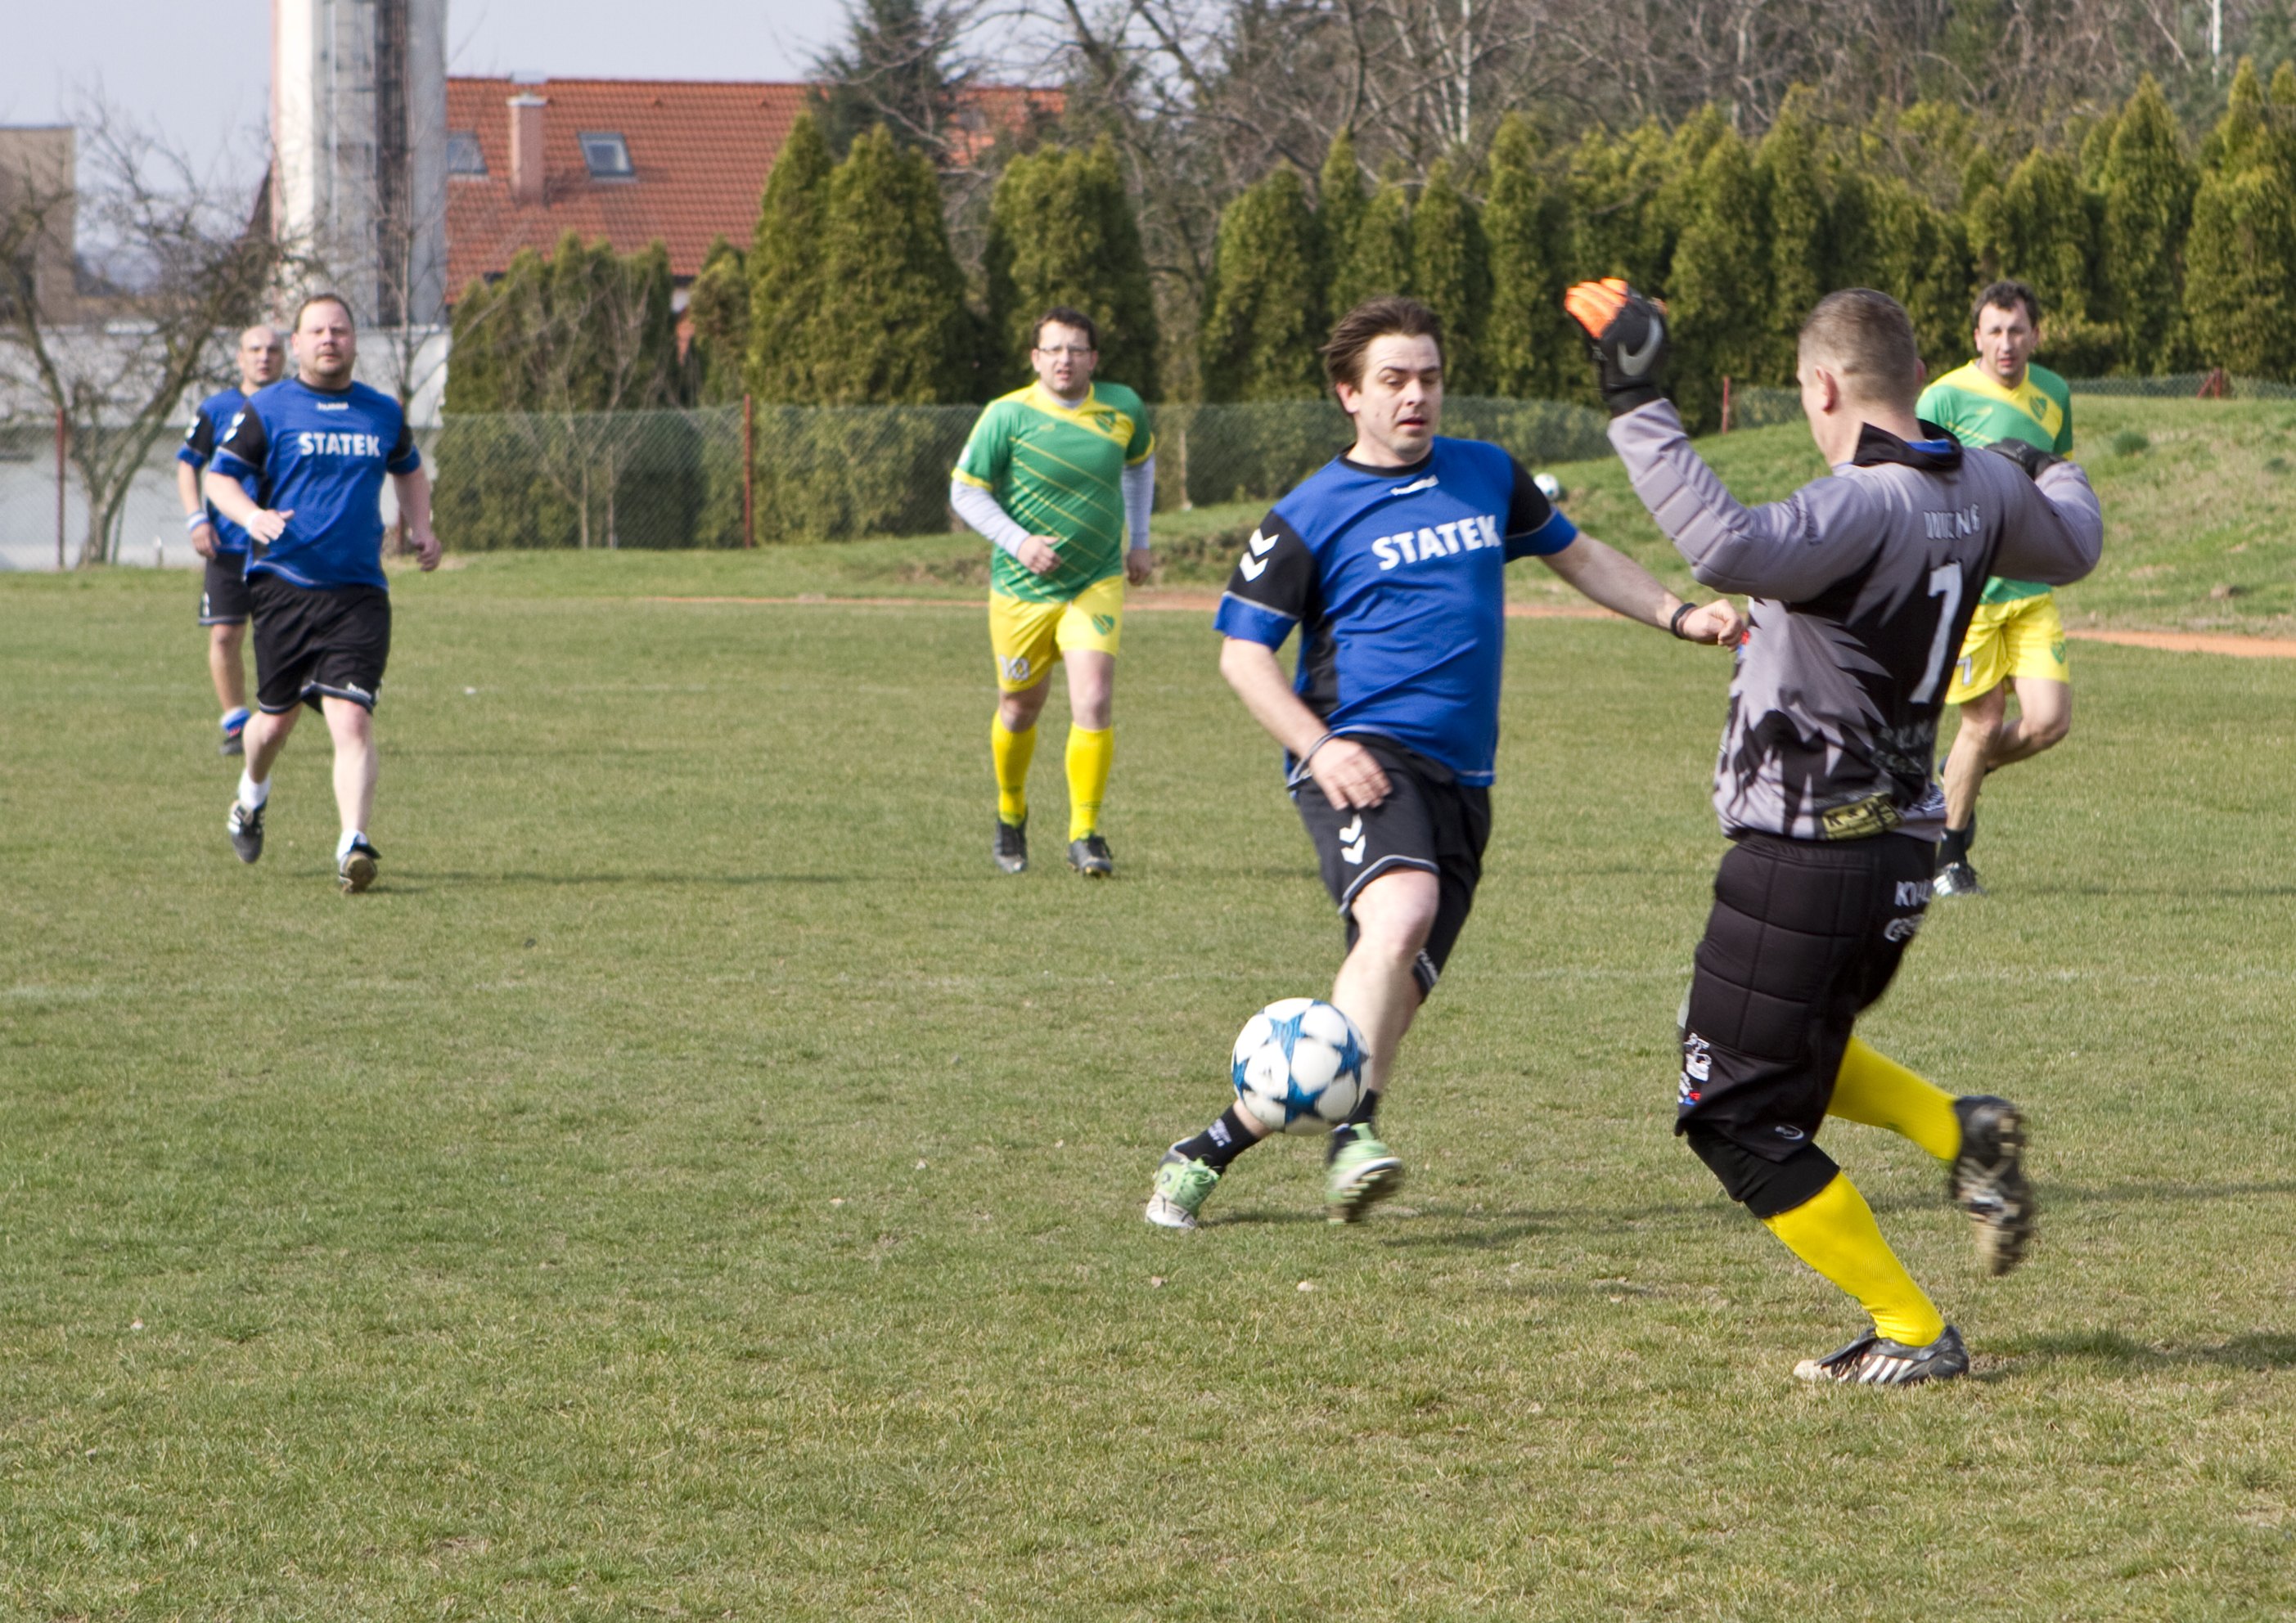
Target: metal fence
1756, 406
680, 479
675, 479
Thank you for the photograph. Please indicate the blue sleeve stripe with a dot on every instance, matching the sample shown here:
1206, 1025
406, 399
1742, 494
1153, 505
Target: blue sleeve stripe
1250, 622
186, 454
226, 463
413, 461
1549, 538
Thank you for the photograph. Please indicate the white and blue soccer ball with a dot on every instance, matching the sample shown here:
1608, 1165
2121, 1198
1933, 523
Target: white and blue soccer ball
1298, 1065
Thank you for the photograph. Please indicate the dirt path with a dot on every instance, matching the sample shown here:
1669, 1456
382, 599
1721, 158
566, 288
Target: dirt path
1160, 599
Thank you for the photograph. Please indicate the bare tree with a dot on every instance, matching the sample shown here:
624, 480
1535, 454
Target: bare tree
184, 268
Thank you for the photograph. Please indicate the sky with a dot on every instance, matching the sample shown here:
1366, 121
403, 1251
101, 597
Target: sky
200, 74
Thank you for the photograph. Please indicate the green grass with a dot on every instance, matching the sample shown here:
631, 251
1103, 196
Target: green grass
2196, 495
694, 1184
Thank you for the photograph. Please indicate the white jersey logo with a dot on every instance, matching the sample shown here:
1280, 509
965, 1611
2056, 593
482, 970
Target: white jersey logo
1425, 484
1352, 842
1253, 567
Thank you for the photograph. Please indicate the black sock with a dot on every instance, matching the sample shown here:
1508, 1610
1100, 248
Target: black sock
1220, 1142
1954, 847
1357, 1124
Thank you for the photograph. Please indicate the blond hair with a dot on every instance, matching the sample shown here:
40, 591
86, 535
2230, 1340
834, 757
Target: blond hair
1866, 339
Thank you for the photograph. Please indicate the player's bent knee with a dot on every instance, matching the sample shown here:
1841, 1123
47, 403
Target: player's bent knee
1395, 913
1764, 1187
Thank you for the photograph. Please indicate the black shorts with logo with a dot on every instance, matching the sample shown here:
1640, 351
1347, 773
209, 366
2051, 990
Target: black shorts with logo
1429, 821
223, 594
1805, 934
312, 643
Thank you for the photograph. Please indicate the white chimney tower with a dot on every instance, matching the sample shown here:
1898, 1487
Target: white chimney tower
359, 151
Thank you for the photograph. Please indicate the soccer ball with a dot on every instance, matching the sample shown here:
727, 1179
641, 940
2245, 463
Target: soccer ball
1551, 487
1299, 1066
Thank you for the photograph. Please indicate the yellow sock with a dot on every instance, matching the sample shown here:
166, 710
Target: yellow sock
1874, 1089
1090, 755
1835, 1232
1011, 753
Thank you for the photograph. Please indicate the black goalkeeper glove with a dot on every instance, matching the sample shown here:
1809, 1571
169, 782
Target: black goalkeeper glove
2025, 455
1626, 334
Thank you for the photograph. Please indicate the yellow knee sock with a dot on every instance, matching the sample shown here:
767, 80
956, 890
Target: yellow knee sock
1090, 755
1011, 753
1835, 1232
1874, 1089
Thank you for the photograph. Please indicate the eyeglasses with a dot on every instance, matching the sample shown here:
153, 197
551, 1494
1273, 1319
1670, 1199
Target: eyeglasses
1072, 351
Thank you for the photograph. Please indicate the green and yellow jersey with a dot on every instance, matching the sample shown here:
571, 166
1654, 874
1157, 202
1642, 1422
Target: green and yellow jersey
1059, 471
1977, 409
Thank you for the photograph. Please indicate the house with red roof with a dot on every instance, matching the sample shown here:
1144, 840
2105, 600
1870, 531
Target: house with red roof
630, 160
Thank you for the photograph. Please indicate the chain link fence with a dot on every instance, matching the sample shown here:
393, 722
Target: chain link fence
1758, 406
675, 478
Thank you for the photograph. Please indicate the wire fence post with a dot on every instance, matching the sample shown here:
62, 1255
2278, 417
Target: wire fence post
749, 470
1726, 402
59, 489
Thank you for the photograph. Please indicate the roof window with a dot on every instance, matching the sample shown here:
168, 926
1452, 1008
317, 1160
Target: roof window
463, 154
606, 154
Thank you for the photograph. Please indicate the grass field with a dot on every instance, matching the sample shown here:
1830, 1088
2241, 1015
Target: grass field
694, 1184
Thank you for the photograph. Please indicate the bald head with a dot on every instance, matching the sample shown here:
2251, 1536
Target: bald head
262, 357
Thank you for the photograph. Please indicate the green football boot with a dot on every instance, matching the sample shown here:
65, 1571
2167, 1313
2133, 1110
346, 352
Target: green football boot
1362, 1174
1181, 1187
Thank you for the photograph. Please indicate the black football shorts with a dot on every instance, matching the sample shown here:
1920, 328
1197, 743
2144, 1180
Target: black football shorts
312, 644
1429, 821
223, 593
1804, 936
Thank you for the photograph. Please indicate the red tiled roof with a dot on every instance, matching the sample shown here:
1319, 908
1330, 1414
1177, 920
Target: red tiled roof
699, 152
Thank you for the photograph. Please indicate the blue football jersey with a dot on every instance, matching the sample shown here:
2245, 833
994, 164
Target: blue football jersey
1395, 579
200, 441
322, 455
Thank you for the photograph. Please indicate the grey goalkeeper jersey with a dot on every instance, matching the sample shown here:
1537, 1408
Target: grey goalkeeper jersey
1863, 585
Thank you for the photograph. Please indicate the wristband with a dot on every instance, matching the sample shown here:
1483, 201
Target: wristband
1675, 625
195, 519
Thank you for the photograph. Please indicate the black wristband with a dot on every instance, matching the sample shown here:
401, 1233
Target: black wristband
1675, 625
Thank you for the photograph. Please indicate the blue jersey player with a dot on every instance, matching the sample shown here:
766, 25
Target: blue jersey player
223, 594
317, 449
1389, 563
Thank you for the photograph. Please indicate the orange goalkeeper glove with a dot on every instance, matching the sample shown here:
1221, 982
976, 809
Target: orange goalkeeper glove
1626, 334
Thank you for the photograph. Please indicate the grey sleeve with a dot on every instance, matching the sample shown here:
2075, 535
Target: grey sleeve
1789, 550
2053, 531
1139, 498
981, 509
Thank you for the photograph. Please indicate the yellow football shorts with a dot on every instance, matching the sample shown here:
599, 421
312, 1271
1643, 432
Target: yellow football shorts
2021, 638
1030, 638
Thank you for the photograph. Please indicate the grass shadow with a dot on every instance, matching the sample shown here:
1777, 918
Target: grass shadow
2257, 1351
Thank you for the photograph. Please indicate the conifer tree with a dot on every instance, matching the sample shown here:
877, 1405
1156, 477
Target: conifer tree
718, 304
1338, 209
2044, 233
2241, 257
1266, 314
1527, 343
892, 327
1719, 289
1451, 272
1791, 172
2148, 201
1379, 260
785, 286
1061, 231
474, 376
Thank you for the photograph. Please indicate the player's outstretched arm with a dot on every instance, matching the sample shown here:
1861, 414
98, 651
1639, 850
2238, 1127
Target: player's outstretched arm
1344, 770
2055, 531
414, 492
195, 511
1607, 576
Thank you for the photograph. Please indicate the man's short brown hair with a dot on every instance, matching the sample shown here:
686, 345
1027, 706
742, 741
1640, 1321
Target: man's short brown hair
1063, 316
336, 300
1389, 314
2005, 295
1867, 340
